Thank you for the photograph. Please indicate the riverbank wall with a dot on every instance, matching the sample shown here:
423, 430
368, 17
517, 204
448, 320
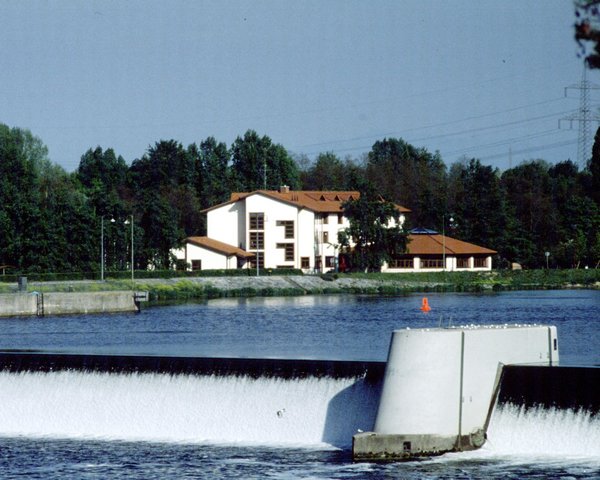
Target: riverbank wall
66, 303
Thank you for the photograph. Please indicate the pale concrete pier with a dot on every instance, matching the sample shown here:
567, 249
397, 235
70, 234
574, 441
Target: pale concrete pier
65, 303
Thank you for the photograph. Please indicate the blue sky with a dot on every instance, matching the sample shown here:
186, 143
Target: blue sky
478, 78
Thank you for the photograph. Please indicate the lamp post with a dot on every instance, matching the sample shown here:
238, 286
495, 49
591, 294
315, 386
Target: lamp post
129, 221
102, 248
132, 271
444, 239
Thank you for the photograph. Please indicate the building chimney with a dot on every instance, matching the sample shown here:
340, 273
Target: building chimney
284, 189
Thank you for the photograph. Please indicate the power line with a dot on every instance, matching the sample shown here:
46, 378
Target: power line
584, 116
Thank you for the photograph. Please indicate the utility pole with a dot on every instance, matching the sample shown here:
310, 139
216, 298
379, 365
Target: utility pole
585, 117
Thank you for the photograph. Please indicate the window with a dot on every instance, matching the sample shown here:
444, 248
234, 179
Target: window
260, 256
318, 263
289, 251
304, 262
325, 218
462, 262
257, 221
257, 240
196, 265
431, 263
325, 237
288, 226
480, 262
340, 218
402, 263
330, 262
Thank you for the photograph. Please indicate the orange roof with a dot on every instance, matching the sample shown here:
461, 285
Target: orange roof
433, 244
220, 247
317, 201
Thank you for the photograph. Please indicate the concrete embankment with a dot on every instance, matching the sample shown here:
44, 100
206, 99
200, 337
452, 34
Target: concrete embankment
63, 303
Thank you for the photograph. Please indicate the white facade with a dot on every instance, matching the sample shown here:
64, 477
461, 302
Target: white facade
289, 236
208, 259
470, 264
299, 230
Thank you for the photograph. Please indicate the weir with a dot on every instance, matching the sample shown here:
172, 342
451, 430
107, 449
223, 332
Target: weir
15, 361
182, 399
436, 393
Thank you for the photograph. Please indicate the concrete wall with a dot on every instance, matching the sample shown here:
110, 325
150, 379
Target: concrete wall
439, 385
59, 303
15, 304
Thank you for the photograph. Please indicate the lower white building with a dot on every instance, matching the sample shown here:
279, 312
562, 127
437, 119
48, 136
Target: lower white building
299, 230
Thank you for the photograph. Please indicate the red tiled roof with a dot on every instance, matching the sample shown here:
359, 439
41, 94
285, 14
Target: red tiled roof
220, 247
318, 201
434, 245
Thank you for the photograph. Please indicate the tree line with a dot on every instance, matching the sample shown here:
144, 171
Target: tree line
52, 220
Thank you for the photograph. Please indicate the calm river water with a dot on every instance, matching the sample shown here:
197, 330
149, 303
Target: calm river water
314, 327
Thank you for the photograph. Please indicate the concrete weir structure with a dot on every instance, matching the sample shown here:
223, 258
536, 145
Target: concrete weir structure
65, 303
440, 386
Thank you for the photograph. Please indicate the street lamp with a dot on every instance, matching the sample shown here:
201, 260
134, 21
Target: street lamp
444, 239
129, 222
132, 275
102, 248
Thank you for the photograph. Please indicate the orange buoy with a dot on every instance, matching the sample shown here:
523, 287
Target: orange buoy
425, 305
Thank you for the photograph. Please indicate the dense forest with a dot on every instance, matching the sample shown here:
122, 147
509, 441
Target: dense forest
52, 220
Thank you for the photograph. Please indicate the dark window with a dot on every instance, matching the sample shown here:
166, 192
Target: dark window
289, 251
289, 227
196, 265
431, 263
325, 237
257, 221
402, 263
340, 218
304, 262
261, 260
480, 263
462, 263
329, 262
257, 240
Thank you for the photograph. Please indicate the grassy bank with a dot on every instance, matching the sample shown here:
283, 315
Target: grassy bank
497, 280
207, 287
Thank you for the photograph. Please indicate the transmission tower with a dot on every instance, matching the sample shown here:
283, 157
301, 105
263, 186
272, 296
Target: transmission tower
585, 117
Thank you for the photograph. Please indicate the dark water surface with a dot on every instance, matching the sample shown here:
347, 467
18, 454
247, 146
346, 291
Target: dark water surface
316, 327
321, 327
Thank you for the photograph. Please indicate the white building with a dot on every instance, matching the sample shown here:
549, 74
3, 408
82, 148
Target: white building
296, 229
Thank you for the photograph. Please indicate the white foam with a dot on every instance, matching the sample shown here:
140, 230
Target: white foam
540, 436
318, 412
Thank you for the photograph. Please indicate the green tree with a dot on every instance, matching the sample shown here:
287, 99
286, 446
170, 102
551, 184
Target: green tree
528, 190
103, 176
410, 176
213, 172
259, 164
161, 233
20, 157
476, 202
327, 173
593, 168
374, 235
164, 183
